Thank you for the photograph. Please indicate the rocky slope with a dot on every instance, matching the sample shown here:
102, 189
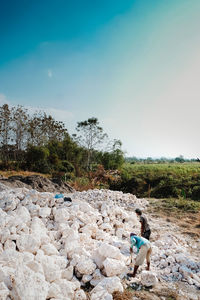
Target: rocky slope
56, 249
37, 182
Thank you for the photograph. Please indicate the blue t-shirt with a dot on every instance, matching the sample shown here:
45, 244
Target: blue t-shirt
138, 241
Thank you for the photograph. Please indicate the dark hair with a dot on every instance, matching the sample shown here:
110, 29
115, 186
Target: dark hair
138, 211
132, 234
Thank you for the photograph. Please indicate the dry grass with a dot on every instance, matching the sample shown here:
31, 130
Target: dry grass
80, 186
126, 295
21, 173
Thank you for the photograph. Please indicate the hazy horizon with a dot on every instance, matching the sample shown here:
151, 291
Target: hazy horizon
134, 65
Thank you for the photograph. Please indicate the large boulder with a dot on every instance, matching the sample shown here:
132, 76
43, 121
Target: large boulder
27, 284
110, 251
148, 278
113, 267
111, 285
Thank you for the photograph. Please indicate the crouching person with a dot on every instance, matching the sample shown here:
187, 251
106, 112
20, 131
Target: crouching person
143, 251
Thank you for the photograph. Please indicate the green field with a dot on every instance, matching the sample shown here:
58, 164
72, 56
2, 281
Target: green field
162, 180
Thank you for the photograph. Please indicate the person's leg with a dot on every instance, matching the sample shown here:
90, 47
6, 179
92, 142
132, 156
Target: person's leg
146, 234
139, 259
135, 270
148, 258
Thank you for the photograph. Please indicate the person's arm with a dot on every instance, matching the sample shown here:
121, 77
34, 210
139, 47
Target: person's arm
133, 243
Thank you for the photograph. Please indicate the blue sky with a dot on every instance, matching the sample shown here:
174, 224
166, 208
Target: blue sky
134, 65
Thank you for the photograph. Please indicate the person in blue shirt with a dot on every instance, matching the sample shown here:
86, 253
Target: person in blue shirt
143, 251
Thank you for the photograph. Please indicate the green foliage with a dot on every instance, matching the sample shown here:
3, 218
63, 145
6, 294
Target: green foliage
37, 159
111, 160
161, 180
67, 166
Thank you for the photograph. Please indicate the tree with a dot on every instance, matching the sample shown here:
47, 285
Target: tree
180, 159
113, 159
19, 131
37, 159
43, 128
91, 136
34, 131
5, 131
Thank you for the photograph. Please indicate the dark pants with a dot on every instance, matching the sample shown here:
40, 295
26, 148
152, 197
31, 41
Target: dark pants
147, 234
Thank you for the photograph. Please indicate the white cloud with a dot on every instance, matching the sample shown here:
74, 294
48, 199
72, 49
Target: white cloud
50, 73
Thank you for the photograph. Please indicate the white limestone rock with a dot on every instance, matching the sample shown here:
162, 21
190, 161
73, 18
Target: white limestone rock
52, 271
44, 212
35, 266
67, 288
86, 278
54, 291
49, 249
60, 261
4, 291
27, 284
9, 245
111, 285
39, 230
148, 278
33, 209
100, 294
23, 214
5, 235
97, 277
110, 251
113, 266
11, 258
85, 266
9, 202
28, 242
68, 273
5, 275
61, 215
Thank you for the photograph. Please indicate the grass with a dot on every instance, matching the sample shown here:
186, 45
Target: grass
180, 168
176, 205
21, 173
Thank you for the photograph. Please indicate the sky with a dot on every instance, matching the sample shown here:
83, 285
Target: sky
133, 64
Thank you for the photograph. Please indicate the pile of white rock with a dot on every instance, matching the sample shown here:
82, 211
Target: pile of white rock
173, 262
51, 249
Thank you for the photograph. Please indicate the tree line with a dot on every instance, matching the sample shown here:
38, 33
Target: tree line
37, 142
161, 160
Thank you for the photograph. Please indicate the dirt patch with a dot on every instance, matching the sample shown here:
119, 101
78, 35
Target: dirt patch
146, 295
188, 222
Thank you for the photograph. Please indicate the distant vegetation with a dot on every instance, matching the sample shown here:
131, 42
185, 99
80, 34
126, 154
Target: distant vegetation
161, 160
160, 180
88, 159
